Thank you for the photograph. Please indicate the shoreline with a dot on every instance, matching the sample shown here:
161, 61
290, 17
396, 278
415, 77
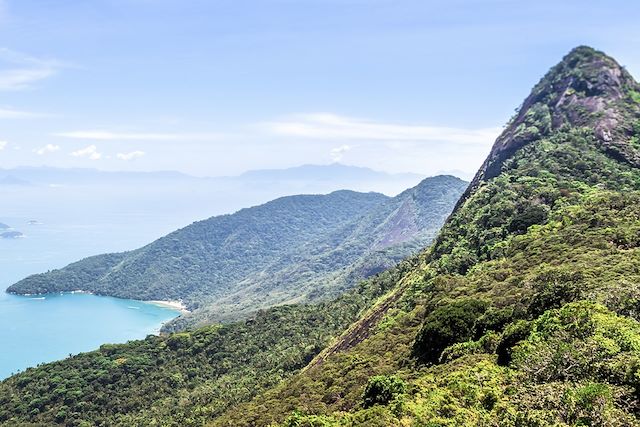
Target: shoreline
173, 304
176, 305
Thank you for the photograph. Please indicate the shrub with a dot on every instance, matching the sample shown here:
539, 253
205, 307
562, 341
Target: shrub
531, 215
553, 289
581, 340
588, 404
382, 389
512, 335
447, 325
495, 319
486, 344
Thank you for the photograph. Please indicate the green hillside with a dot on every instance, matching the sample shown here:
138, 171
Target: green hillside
186, 378
525, 310
293, 249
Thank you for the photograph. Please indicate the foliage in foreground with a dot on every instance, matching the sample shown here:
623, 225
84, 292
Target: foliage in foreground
185, 378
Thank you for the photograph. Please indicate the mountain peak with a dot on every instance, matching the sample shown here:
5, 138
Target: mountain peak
586, 90
583, 73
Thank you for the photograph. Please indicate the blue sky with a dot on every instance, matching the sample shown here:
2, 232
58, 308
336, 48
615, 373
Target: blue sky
216, 87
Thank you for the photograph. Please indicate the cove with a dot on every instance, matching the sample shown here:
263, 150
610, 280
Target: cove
45, 328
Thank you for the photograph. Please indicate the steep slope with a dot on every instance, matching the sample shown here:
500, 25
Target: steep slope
525, 310
186, 378
226, 267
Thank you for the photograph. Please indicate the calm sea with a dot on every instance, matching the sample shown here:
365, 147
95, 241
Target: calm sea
40, 329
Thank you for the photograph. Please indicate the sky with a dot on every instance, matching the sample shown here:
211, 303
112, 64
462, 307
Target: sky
218, 87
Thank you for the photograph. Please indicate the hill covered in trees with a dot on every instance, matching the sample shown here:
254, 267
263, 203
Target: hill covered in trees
293, 249
186, 378
524, 312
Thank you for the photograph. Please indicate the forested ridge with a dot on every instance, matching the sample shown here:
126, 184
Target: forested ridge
293, 249
524, 312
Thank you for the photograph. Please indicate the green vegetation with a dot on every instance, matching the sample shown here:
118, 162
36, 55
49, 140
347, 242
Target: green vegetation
381, 390
294, 249
185, 378
447, 325
525, 312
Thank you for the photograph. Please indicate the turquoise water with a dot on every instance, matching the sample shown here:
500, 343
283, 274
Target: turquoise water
41, 329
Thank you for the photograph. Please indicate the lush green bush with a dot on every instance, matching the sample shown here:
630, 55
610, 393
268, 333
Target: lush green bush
511, 336
528, 216
554, 288
495, 319
581, 341
382, 389
446, 325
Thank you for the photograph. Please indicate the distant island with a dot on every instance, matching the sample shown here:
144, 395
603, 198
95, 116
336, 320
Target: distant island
11, 235
4, 226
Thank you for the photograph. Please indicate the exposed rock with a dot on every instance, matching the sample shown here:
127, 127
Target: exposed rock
589, 90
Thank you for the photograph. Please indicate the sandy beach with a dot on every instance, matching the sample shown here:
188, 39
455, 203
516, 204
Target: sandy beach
178, 305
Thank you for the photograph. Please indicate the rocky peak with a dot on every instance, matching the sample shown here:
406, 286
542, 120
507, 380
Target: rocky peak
587, 89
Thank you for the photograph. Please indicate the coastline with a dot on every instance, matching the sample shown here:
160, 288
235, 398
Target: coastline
173, 304
176, 305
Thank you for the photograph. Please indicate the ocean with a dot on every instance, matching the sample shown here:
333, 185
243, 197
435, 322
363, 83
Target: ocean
45, 328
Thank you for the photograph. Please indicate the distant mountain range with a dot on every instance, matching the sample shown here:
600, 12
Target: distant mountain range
333, 172
90, 196
293, 249
94, 193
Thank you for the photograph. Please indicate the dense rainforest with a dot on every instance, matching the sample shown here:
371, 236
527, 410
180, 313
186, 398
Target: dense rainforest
186, 378
293, 249
524, 312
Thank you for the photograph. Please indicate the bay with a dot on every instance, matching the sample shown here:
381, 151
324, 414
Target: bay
47, 328
67, 215
44, 328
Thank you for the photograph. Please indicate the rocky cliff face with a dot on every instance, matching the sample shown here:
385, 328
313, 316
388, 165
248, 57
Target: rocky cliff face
587, 89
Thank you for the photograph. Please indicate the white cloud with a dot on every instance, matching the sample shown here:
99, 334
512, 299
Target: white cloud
3, 145
338, 152
90, 152
21, 71
332, 126
130, 156
49, 148
10, 113
102, 135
